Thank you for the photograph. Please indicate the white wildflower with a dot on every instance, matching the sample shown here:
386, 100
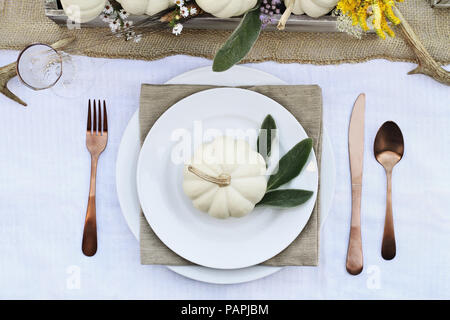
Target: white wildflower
177, 29
105, 17
179, 2
184, 11
193, 11
130, 35
114, 25
108, 8
127, 24
123, 14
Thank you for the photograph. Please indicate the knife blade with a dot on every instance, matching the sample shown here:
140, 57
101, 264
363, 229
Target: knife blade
356, 154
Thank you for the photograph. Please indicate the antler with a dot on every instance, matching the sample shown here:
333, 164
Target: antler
9, 71
427, 65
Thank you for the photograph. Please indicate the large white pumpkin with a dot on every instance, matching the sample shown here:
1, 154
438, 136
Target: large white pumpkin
149, 7
82, 11
225, 178
226, 8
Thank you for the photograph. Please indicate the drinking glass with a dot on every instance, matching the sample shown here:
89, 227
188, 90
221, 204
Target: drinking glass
39, 66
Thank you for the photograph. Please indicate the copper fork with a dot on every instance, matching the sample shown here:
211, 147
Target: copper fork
96, 140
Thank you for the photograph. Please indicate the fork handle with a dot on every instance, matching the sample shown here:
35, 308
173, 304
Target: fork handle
89, 245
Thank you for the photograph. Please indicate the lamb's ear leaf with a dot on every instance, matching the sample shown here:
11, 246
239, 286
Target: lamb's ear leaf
267, 132
286, 198
240, 42
291, 164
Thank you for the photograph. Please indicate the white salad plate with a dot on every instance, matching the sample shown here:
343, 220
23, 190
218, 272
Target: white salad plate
126, 169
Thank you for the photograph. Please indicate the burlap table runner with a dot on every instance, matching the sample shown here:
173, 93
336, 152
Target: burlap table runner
304, 102
24, 21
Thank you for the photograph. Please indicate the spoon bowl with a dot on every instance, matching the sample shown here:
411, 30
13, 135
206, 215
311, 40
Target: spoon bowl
388, 150
389, 143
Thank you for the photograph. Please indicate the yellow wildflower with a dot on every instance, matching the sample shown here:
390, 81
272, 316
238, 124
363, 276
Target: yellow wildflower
389, 13
362, 17
377, 19
381, 11
385, 28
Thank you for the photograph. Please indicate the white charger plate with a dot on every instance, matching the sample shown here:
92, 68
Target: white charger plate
126, 168
218, 243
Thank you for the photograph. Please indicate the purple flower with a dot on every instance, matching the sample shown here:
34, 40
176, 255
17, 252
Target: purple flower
268, 9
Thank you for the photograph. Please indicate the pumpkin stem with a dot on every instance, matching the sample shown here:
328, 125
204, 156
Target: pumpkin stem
286, 14
222, 181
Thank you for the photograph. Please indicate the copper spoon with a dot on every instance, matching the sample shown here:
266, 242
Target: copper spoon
388, 149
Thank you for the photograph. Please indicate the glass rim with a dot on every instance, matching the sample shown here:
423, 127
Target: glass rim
20, 56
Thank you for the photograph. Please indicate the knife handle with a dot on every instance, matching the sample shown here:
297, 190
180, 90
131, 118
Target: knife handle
354, 253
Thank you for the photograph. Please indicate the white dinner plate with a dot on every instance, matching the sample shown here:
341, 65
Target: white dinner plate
128, 154
204, 240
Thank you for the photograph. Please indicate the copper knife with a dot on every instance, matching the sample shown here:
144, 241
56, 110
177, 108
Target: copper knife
356, 154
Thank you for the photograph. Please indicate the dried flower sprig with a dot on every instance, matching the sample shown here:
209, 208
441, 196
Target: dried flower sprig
116, 17
183, 10
344, 24
370, 12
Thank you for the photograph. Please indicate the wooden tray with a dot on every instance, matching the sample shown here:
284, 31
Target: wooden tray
301, 23
440, 3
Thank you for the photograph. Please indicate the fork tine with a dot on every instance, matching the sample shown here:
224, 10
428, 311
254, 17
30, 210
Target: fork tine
99, 118
94, 123
89, 122
105, 118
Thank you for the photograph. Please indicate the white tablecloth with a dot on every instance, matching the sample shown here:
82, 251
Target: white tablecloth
44, 178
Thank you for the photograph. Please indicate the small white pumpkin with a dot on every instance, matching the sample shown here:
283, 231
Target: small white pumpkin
82, 11
225, 178
149, 7
226, 8
313, 8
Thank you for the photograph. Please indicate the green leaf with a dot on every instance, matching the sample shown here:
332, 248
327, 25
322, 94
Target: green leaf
240, 42
268, 125
291, 164
287, 198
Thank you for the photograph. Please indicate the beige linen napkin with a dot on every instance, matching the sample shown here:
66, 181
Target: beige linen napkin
304, 102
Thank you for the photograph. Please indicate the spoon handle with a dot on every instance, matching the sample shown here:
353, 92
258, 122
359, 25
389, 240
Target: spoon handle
388, 248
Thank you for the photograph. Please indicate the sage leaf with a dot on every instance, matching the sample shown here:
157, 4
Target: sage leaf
291, 164
286, 198
266, 133
240, 42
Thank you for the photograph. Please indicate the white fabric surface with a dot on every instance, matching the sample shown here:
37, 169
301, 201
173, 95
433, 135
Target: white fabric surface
44, 177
